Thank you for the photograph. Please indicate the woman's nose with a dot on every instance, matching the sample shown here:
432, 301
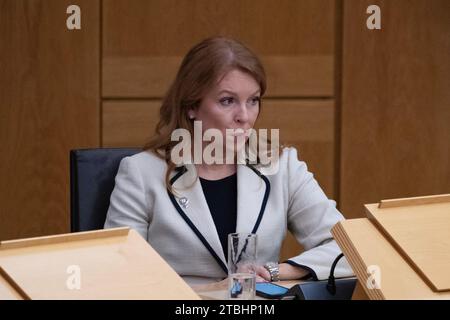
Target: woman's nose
242, 113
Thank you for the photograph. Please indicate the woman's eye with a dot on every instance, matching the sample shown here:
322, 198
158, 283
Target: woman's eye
255, 101
226, 101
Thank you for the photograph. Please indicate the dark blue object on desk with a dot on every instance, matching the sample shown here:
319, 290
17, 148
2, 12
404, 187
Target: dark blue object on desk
317, 290
236, 290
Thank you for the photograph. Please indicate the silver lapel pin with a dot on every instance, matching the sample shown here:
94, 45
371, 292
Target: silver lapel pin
184, 202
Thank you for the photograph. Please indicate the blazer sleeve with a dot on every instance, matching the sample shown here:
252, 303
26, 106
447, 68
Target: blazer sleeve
129, 205
311, 215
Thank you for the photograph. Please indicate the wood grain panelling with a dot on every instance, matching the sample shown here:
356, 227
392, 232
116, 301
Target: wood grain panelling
148, 27
149, 77
49, 89
395, 103
144, 41
309, 126
128, 123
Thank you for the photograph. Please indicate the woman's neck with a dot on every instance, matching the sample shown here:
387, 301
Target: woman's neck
215, 171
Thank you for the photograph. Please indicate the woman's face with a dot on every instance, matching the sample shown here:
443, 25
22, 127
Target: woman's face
232, 104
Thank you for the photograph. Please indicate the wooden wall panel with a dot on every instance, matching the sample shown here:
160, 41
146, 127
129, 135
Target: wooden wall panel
49, 89
150, 77
128, 123
158, 28
309, 126
395, 103
141, 54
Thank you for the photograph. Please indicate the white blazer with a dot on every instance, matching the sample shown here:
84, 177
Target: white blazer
185, 235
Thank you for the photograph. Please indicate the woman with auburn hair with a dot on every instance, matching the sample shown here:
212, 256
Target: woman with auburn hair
186, 210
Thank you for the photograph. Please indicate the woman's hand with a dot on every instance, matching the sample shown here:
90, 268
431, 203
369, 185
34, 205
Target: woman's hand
287, 272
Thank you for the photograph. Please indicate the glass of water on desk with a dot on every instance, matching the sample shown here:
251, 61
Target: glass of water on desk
241, 265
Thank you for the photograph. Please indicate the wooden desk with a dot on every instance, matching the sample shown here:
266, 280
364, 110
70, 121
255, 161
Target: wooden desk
419, 229
364, 246
113, 264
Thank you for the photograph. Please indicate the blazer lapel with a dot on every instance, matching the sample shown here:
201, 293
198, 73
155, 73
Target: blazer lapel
190, 202
253, 190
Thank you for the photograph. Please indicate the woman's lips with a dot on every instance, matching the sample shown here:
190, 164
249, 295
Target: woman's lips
240, 132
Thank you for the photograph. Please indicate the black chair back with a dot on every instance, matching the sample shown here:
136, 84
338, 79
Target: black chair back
92, 179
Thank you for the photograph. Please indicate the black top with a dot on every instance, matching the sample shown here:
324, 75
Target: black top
221, 196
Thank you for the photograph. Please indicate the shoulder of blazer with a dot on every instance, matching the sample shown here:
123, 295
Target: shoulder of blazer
148, 160
287, 156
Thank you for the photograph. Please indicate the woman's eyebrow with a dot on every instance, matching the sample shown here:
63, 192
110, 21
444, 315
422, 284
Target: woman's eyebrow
235, 94
228, 91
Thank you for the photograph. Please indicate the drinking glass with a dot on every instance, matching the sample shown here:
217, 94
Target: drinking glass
241, 265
